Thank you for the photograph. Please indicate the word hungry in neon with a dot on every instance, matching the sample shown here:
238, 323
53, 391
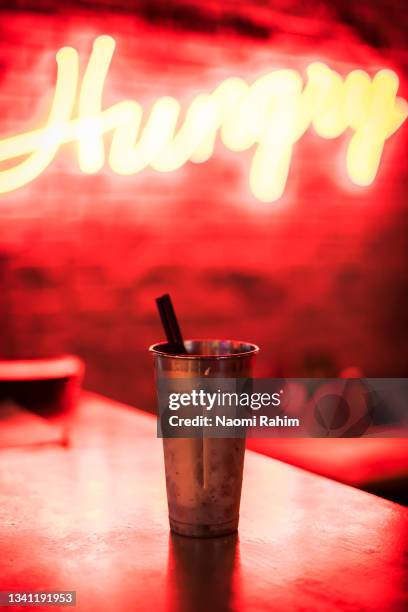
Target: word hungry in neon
270, 116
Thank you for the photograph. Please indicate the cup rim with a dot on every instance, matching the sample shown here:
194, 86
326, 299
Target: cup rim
155, 349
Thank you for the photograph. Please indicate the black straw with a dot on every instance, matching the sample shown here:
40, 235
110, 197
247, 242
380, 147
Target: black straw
170, 324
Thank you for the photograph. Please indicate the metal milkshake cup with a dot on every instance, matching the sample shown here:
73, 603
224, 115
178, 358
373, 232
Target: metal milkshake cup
204, 475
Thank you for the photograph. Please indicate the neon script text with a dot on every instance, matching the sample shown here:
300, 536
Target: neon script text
270, 115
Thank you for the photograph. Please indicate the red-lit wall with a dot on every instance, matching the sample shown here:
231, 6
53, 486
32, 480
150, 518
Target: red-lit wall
318, 279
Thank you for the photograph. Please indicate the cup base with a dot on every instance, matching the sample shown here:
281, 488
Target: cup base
202, 530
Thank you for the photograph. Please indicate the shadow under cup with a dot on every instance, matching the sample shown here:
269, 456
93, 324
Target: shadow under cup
204, 475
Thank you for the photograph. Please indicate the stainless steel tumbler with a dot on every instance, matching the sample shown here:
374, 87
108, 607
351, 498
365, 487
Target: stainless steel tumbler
204, 475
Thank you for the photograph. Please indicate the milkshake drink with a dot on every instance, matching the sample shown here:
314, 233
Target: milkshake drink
204, 475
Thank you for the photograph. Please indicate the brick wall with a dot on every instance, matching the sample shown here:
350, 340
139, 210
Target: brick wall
318, 280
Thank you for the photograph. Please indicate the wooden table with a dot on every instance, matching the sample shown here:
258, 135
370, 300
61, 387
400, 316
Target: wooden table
93, 519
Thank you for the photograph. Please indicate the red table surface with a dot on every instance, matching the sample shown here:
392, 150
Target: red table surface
93, 518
